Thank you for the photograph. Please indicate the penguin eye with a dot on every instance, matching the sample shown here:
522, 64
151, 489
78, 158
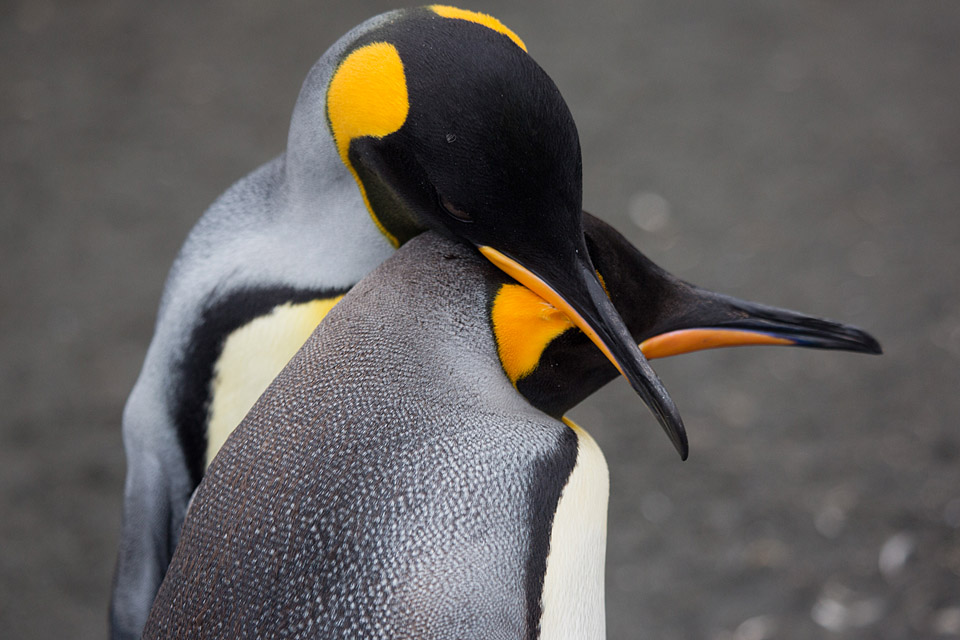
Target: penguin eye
459, 214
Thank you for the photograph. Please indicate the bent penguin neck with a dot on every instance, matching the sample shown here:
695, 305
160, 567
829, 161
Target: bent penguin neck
446, 282
314, 174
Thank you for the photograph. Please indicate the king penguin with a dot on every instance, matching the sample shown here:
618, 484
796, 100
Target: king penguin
404, 488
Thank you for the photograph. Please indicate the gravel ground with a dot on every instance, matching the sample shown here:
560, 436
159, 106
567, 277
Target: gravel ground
806, 154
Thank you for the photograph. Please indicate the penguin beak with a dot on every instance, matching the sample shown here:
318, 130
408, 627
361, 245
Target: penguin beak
708, 320
576, 291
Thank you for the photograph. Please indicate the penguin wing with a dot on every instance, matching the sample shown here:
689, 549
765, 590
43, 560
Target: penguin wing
155, 495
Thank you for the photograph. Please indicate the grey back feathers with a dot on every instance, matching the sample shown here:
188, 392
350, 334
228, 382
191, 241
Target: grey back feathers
390, 483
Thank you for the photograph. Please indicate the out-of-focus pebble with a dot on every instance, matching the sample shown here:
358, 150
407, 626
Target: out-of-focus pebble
894, 554
649, 211
767, 552
947, 621
656, 507
830, 520
756, 628
839, 608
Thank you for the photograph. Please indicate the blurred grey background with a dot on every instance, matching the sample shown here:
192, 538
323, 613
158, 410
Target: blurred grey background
806, 154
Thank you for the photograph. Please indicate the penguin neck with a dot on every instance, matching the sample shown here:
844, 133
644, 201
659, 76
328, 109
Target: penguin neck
434, 292
313, 168
316, 181
320, 193
318, 187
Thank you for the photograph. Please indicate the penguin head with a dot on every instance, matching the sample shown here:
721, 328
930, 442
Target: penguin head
555, 366
446, 123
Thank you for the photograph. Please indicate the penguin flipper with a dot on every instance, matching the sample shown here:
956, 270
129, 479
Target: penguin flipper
154, 505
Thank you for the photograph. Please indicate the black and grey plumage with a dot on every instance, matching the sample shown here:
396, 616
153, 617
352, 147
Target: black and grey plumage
393, 483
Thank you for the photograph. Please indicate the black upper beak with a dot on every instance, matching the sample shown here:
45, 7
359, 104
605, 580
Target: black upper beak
669, 316
713, 320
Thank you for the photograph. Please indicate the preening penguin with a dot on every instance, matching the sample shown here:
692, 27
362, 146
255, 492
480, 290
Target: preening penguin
429, 118
404, 487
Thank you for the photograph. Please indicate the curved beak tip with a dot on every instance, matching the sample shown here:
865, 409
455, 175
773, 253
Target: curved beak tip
871, 345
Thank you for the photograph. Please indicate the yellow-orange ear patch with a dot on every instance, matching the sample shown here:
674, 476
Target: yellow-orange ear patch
521, 274
367, 96
524, 324
480, 18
